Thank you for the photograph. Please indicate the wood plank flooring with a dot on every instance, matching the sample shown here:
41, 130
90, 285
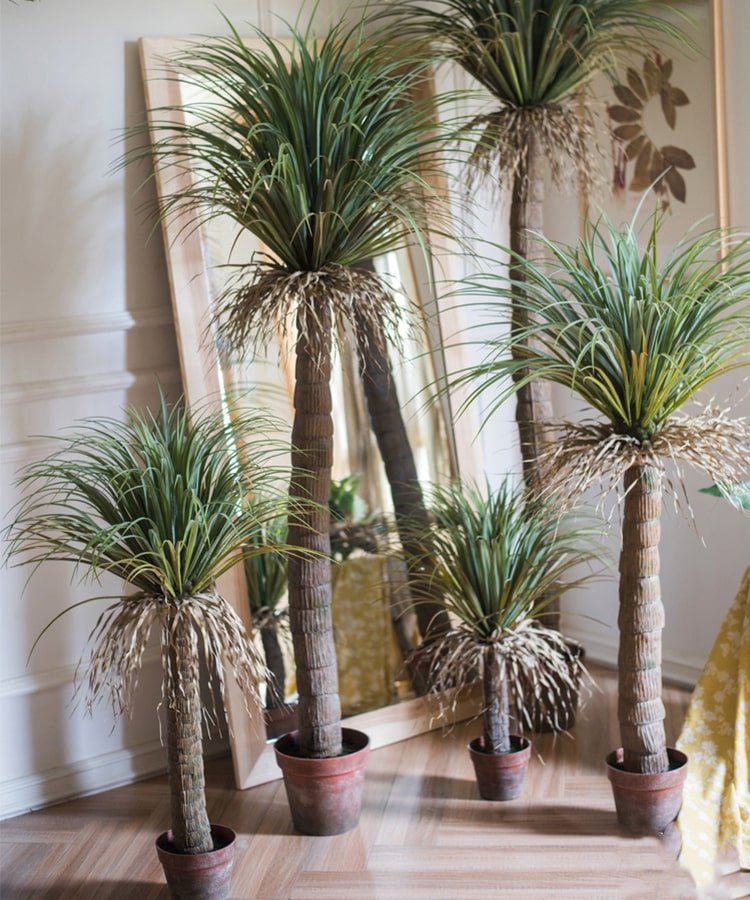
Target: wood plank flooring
424, 832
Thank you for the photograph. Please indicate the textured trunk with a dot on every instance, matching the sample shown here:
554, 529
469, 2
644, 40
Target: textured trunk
641, 619
496, 719
533, 400
187, 789
275, 663
390, 432
310, 572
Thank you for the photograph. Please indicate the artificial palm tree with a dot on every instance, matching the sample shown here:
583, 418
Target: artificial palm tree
635, 337
156, 501
323, 150
536, 59
500, 558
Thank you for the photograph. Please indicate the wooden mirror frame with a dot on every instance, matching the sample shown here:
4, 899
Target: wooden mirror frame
253, 756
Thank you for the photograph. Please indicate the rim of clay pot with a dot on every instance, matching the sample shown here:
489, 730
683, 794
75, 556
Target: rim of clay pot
220, 833
640, 780
338, 764
519, 746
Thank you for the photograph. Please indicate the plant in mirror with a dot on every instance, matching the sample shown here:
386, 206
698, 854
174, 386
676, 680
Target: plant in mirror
501, 558
636, 337
157, 501
321, 149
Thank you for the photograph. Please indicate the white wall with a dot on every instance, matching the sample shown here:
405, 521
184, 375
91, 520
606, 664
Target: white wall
87, 329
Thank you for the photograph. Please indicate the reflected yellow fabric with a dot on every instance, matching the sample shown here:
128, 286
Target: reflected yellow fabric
715, 815
363, 634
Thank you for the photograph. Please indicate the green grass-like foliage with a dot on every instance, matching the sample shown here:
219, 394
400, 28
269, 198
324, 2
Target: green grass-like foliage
321, 149
155, 500
634, 336
538, 52
501, 557
266, 572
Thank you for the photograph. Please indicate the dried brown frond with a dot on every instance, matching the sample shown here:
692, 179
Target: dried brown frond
121, 634
270, 298
535, 660
588, 453
563, 129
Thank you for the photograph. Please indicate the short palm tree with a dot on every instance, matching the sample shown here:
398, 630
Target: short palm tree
155, 501
322, 150
634, 337
536, 59
500, 559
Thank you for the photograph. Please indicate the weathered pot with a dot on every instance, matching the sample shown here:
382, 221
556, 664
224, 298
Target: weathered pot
280, 720
325, 795
647, 804
501, 777
198, 876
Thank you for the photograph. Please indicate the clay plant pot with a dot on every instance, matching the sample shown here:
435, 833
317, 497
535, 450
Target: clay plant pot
198, 876
325, 795
647, 804
501, 777
280, 720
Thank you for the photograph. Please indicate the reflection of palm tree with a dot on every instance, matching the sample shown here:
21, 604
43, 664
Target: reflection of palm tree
636, 339
322, 153
535, 58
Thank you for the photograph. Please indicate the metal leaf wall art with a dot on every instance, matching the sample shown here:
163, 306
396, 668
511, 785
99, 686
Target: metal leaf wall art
654, 166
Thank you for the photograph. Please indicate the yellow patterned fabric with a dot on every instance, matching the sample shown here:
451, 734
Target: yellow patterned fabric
715, 815
363, 634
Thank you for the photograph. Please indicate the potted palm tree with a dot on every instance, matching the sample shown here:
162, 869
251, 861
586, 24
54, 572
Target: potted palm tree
635, 337
321, 150
499, 560
156, 501
536, 60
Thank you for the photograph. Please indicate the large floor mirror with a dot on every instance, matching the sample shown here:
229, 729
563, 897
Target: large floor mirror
373, 624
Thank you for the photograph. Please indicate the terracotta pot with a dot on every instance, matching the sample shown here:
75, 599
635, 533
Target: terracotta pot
198, 876
325, 795
501, 777
647, 804
281, 720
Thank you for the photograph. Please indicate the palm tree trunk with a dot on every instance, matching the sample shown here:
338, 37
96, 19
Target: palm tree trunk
401, 470
310, 571
275, 665
641, 619
496, 718
533, 400
191, 829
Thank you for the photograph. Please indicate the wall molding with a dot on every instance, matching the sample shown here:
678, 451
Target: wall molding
601, 647
90, 776
25, 330
85, 385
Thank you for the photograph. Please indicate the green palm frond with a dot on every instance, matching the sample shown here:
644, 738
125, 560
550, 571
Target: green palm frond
538, 52
499, 559
155, 500
633, 336
266, 572
324, 150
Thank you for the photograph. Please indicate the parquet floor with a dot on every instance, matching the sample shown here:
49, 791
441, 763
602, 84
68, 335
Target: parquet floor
424, 833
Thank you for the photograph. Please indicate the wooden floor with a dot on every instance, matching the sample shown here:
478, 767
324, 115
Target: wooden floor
424, 833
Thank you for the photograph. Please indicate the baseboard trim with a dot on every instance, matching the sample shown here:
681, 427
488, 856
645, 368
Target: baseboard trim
601, 647
90, 776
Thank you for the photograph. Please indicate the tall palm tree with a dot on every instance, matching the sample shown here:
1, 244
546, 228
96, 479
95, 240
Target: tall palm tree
536, 59
157, 502
322, 150
635, 337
